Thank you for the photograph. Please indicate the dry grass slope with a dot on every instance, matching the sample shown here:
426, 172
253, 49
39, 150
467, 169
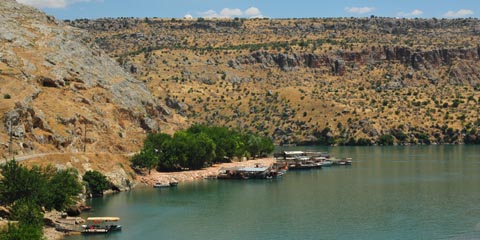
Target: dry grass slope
309, 80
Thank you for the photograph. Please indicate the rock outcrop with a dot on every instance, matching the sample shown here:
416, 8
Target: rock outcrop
337, 63
59, 87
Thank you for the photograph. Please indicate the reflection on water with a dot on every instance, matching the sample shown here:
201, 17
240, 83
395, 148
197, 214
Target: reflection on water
420, 192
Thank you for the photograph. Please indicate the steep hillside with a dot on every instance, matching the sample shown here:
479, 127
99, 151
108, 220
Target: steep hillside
336, 81
53, 86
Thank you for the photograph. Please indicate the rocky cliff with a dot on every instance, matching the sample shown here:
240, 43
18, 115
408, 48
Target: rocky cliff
342, 61
331, 81
59, 93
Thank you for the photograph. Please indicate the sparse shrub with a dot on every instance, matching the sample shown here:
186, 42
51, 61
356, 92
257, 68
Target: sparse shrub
386, 140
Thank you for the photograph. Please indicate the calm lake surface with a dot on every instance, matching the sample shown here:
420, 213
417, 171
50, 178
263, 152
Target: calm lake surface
417, 192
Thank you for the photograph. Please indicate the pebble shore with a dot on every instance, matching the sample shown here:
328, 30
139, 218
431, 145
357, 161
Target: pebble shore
185, 176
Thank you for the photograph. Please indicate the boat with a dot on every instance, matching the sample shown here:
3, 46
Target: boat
318, 164
276, 174
323, 161
327, 163
346, 161
301, 165
244, 173
165, 185
161, 185
308, 160
343, 162
101, 225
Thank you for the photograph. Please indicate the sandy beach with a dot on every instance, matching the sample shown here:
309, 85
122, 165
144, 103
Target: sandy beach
163, 177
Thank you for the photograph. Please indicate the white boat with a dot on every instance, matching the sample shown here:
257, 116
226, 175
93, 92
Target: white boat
327, 163
165, 185
161, 185
100, 225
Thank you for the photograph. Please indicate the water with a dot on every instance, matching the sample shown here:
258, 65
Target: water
419, 192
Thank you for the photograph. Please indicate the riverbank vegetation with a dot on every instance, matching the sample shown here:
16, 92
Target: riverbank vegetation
199, 146
26, 192
96, 183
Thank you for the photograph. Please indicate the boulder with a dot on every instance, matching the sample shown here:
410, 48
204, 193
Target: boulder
148, 124
175, 104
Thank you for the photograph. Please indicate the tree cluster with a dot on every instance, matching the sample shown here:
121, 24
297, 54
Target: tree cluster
96, 183
197, 147
26, 191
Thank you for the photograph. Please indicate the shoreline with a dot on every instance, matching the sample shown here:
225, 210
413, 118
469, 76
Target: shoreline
167, 177
194, 175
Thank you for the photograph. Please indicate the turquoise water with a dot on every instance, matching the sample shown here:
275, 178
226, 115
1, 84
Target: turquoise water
419, 192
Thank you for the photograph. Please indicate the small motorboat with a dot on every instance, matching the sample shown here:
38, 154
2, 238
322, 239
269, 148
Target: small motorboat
165, 185
161, 185
327, 163
100, 225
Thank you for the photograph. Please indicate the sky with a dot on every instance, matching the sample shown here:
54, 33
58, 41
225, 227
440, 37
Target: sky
75, 9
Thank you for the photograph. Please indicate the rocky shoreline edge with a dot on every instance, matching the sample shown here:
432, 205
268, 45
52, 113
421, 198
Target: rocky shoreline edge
186, 176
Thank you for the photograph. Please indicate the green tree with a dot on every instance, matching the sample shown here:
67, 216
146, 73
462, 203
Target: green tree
21, 232
26, 191
63, 187
224, 139
364, 142
156, 141
253, 145
20, 183
30, 221
27, 213
386, 140
198, 146
266, 146
325, 137
177, 153
201, 151
147, 158
97, 183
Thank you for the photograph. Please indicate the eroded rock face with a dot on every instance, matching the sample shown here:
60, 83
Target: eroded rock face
23, 120
120, 179
175, 104
339, 62
60, 86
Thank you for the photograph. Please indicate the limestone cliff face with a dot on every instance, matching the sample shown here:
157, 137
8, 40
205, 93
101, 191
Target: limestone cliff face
53, 86
338, 63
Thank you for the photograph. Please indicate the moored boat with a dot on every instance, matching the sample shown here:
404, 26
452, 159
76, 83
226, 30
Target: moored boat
342, 162
327, 163
100, 225
302, 165
161, 185
165, 185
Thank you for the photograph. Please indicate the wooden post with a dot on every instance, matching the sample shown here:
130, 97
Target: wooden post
10, 137
85, 138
